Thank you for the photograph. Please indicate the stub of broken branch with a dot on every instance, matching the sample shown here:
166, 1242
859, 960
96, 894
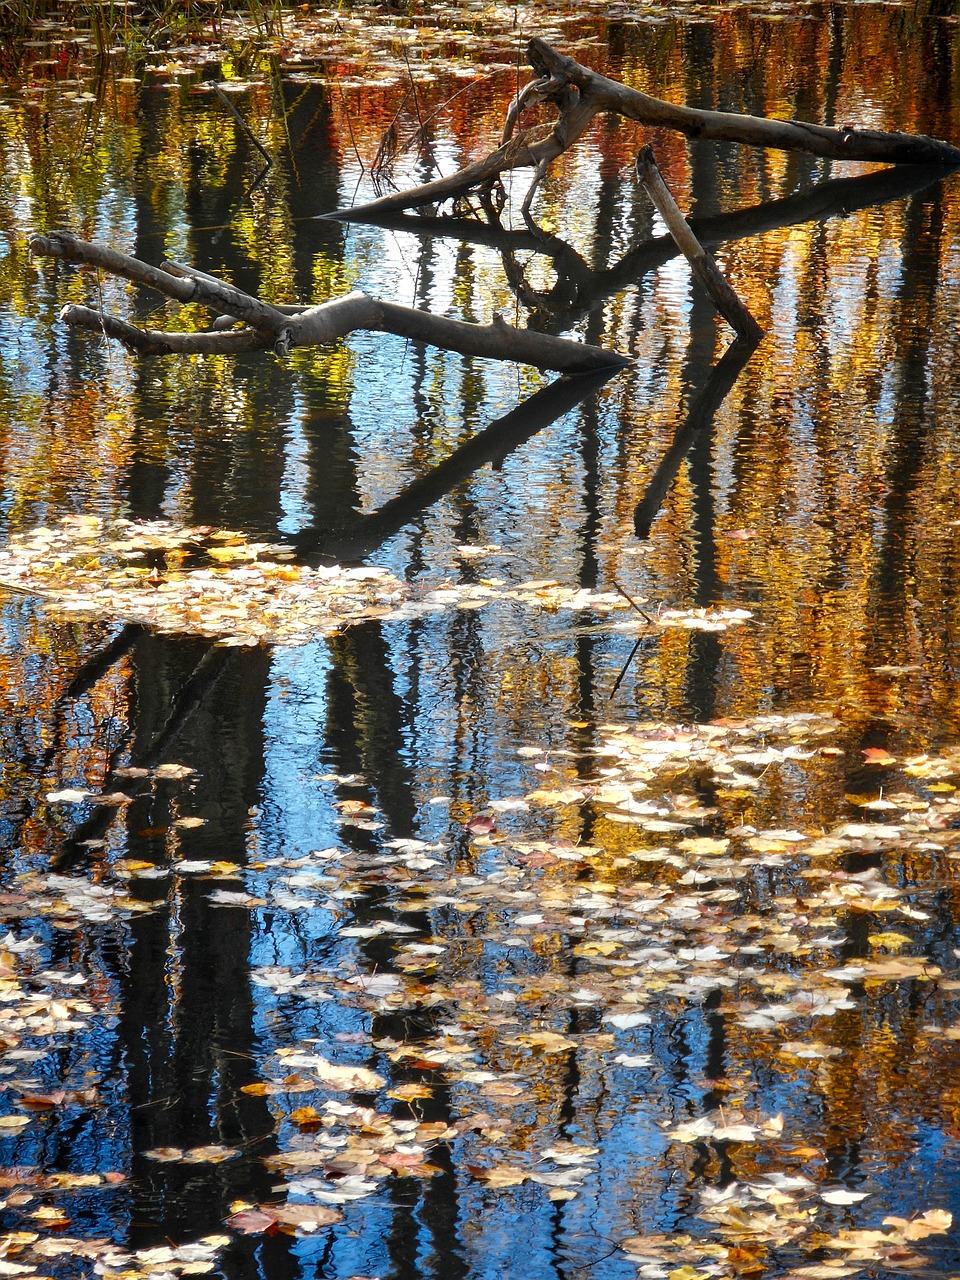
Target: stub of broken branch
282, 328
705, 269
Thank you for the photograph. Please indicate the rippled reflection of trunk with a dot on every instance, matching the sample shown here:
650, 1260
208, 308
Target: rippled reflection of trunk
187, 1021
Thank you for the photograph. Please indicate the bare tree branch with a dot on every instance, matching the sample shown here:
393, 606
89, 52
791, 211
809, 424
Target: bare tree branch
301, 326
579, 94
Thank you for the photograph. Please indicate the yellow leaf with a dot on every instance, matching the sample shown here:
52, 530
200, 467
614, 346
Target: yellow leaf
893, 941
704, 846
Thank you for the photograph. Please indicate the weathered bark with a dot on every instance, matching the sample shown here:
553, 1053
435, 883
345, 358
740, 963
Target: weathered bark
558, 72
579, 94
705, 269
579, 287
282, 328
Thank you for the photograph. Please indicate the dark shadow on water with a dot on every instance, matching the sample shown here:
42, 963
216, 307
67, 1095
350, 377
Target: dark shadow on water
699, 419
359, 535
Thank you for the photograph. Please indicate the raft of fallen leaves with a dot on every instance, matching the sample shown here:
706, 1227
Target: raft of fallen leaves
215, 583
660, 910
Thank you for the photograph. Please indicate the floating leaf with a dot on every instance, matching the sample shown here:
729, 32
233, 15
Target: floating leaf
252, 1221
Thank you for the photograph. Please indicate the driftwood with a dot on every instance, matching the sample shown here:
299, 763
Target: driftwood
579, 95
580, 286
281, 328
719, 289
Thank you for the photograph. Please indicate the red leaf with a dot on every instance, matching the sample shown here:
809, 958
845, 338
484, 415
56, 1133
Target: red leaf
481, 826
252, 1222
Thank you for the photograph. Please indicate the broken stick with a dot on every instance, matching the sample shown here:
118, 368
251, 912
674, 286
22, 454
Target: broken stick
702, 263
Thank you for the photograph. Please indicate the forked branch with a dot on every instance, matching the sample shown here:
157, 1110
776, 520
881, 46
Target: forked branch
281, 328
579, 94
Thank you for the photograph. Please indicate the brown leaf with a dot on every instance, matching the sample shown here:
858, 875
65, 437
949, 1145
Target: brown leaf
298, 1215
499, 1176
43, 1101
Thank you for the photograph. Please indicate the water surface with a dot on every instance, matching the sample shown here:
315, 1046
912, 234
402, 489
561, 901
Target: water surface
375, 923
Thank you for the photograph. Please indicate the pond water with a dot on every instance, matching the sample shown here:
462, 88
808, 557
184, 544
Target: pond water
516, 935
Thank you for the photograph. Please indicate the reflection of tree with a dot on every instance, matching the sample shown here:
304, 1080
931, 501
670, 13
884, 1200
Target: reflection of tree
358, 535
187, 1006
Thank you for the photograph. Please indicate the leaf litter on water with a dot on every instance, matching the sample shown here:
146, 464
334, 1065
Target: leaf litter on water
659, 914
250, 593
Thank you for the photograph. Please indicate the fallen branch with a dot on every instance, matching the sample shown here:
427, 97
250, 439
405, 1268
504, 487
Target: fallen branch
579, 94
579, 286
282, 328
702, 263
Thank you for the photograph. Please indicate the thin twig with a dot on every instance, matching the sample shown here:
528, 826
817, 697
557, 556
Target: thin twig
268, 159
633, 604
625, 668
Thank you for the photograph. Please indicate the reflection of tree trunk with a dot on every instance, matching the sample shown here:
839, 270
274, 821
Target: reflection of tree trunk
700, 415
368, 722
364, 533
919, 287
187, 1020
580, 288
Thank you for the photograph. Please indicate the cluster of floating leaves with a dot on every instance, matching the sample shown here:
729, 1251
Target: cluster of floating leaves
663, 908
42, 1011
240, 592
214, 583
658, 912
